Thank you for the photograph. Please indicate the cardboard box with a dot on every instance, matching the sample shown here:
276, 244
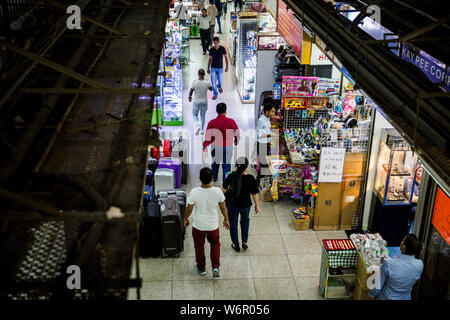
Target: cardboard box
359, 293
327, 209
350, 198
361, 272
301, 224
354, 164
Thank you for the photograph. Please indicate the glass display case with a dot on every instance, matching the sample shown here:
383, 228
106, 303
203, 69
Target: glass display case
395, 174
266, 23
246, 57
171, 79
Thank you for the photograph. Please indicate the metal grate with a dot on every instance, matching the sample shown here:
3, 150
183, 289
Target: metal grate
354, 140
302, 118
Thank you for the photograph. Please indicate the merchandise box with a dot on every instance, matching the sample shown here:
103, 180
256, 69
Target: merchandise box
301, 224
328, 203
350, 197
361, 272
354, 164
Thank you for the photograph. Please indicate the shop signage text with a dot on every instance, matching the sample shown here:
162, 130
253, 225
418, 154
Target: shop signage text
434, 71
331, 164
289, 28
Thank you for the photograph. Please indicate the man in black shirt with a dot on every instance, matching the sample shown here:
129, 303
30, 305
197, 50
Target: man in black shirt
215, 66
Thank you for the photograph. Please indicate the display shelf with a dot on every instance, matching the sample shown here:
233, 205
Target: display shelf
246, 58
395, 167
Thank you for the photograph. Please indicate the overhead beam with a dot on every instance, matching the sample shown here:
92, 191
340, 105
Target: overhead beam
91, 91
87, 18
425, 29
54, 66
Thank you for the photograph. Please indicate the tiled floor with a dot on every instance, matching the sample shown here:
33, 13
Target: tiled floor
281, 263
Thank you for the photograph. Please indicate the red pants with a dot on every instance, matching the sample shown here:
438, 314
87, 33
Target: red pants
199, 245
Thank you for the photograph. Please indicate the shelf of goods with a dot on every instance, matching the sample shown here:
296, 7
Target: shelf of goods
338, 268
246, 56
171, 80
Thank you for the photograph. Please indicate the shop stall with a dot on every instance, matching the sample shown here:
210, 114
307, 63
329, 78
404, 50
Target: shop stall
170, 79
394, 186
324, 140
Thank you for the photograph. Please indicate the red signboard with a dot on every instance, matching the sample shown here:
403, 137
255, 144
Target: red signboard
289, 28
441, 214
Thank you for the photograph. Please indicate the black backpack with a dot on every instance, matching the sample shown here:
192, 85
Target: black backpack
235, 187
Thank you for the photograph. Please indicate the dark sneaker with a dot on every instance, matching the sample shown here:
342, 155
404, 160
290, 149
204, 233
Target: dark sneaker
214, 97
220, 90
201, 272
216, 273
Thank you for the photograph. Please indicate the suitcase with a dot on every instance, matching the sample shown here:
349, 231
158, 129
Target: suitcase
164, 179
149, 194
180, 150
149, 178
167, 148
172, 205
154, 153
175, 165
152, 164
150, 231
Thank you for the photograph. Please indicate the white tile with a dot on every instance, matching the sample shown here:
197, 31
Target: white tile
305, 265
301, 243
276, 289
240, 289
270, 266
193, 290
156, 269
308, 288
153, 290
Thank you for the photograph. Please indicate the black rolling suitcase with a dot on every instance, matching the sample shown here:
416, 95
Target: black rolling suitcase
150, 229
180, 151
152, 164
172, 205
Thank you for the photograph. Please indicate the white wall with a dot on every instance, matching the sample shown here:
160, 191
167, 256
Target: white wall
380, 122
264, 75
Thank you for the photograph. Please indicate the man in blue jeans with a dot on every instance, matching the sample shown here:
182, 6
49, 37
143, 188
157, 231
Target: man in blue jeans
215, 66
221, 133
200, 87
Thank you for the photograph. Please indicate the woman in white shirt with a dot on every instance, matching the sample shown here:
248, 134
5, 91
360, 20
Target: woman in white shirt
264, 138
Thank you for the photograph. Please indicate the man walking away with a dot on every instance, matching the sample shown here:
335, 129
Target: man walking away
219, 13
215, 66
224, 8
180, 12
264, 138
221, 133
200, 87
237, 3
398, 274
203, 26
212, 14
205, 200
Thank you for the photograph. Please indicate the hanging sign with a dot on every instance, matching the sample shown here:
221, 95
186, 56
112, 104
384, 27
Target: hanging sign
331, 164
441, 214
289, 28
431, 67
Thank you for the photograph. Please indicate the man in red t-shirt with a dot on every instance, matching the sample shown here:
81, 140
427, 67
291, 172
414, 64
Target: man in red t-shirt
221, 133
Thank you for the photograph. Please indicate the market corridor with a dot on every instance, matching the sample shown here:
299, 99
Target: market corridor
280, 264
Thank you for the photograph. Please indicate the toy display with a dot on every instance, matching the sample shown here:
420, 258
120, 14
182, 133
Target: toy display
300, 86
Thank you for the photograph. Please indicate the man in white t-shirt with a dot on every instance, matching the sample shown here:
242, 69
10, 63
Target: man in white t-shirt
200, 87
180, 12
206, 200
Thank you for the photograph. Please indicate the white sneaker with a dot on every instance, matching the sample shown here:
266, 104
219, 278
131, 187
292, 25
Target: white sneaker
202, 132
197, 131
